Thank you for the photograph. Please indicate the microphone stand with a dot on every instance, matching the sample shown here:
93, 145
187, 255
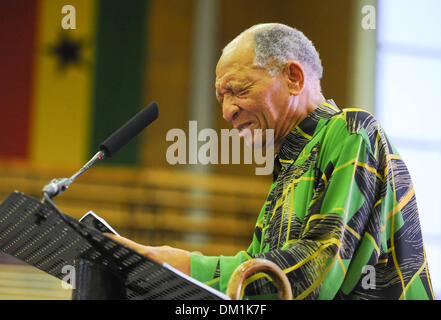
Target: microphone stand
58, 186
92, 281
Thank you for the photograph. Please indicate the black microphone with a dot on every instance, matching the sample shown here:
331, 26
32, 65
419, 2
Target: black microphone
129, 130
108, 148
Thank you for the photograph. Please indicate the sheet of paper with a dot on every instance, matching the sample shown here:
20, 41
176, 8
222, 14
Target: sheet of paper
94, 216
213, 291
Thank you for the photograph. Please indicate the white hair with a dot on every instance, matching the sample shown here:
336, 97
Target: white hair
275, 44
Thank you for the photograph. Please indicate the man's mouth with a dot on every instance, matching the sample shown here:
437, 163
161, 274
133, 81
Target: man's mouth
244, 126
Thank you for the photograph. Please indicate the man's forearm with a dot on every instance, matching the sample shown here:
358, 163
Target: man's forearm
177, 258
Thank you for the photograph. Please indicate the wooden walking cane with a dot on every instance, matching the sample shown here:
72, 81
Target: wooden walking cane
235, 285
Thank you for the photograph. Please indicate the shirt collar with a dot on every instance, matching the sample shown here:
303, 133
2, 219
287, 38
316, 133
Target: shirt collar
296, 140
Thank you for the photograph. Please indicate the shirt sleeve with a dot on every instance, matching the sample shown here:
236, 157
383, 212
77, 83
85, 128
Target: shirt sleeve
216, 271
316, 261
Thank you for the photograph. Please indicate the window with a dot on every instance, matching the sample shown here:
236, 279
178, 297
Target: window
408, 105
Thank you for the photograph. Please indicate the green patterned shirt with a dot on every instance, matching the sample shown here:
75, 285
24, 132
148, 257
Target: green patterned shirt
340, 218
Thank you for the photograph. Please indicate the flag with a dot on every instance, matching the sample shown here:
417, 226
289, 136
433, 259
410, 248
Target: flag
64, 90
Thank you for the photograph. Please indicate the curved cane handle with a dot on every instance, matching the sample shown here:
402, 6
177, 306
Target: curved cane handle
234, 288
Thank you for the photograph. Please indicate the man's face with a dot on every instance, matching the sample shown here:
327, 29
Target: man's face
250, 98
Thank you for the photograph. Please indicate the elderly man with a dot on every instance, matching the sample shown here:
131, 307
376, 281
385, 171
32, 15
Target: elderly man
340, 219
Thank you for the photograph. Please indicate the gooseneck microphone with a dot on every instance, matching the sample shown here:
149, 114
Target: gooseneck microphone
129, 130
108, 148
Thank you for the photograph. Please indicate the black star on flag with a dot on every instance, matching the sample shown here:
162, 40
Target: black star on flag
68, 51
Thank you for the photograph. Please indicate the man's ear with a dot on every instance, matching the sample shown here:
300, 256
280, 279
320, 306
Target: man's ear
295, 77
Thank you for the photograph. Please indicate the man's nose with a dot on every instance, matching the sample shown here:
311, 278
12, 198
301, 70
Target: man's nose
230, 111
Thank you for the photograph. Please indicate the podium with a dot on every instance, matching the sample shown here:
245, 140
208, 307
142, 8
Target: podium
39, 234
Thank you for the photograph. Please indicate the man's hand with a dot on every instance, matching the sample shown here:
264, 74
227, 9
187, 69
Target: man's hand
177, 258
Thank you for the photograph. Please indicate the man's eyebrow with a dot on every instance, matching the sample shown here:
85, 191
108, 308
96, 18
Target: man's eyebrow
227, 86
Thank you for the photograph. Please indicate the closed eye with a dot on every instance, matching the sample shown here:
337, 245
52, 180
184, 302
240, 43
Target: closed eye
242, 93
219, 97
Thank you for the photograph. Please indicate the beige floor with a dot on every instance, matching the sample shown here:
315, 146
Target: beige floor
22, 282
